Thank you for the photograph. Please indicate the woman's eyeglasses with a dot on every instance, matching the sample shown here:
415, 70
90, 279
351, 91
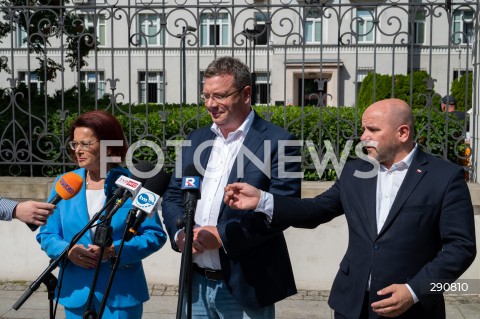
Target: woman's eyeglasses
84, 146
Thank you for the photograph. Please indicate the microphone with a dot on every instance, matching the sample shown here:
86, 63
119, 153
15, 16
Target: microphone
129, 187
113, 174
148, 200
66, 187
191, 191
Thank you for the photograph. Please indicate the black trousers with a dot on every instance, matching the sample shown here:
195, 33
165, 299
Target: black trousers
363, 313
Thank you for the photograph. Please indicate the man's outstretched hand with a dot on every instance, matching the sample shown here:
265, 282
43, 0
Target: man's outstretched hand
241, 196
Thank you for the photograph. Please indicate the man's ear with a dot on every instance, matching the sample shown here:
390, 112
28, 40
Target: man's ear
403, 133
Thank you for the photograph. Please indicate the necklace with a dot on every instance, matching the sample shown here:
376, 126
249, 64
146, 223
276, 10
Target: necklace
95, 185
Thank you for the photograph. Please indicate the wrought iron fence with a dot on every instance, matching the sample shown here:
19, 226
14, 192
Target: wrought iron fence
315, 66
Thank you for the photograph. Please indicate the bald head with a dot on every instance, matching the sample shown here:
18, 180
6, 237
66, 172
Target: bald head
389, 123
395, 112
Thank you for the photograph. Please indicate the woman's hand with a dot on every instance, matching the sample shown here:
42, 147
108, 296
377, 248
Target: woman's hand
107, 253
82, 257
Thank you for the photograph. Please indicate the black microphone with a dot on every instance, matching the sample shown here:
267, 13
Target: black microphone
148, 200
118, 190
191, 186
113, 174
66, 187
129, 187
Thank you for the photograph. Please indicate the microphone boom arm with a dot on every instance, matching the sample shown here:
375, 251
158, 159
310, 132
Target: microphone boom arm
35, 284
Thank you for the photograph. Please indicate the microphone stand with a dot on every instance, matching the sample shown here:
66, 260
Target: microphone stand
103, 238
35, 284
51, 282
186, 263
116, 262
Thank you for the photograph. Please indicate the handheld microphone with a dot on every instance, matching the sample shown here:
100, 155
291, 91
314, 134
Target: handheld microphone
191, 186
148, 200
66, 187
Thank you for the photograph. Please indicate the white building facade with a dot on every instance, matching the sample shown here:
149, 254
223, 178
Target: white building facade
305, 52
287, 44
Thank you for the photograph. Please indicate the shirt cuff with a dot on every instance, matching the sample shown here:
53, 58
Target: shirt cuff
7, 206
415, 298
265, 205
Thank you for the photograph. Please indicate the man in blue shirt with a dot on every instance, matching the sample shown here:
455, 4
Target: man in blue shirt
30, 212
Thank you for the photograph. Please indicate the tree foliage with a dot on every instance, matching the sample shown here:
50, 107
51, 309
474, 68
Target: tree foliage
43, 21
376, 87
460, 90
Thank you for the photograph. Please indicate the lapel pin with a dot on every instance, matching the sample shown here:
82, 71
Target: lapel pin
419, 170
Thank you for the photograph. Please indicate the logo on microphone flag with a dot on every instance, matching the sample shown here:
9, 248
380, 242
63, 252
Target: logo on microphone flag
147, 199
191, 182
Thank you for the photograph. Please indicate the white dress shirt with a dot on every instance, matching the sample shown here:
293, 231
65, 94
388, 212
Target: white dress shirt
388, 184
223, 155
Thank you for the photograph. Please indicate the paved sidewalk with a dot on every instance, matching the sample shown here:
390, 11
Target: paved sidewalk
306, 304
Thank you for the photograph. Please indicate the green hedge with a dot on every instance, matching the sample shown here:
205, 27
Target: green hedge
317, 124
337, 124
379, 87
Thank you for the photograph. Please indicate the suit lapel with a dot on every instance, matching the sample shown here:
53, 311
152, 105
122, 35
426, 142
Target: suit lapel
254, 139
368, 189
205, 155
79, 205
415, 173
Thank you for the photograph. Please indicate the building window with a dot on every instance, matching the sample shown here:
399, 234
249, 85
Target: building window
151, 88
261, 89
22, 41
214, 30
91, 80
365, 30
419, 28
31, 79
94, 24
151, 30
458, 73
260, 28
313, 26
463, 31
361, 75
202, 82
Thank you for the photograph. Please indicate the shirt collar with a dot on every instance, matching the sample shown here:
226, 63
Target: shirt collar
403, 164
241, 130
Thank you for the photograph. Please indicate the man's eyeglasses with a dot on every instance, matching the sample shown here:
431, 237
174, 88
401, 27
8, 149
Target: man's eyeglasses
218, 98
83, 146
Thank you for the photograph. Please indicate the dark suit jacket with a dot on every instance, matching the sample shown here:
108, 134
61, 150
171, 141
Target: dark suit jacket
428, 236
254, 259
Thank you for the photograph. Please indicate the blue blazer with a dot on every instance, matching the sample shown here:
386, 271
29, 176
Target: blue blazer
129, 287
256, 267
429, 234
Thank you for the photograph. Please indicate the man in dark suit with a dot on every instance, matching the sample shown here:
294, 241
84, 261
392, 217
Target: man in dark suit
237, 272
409, 215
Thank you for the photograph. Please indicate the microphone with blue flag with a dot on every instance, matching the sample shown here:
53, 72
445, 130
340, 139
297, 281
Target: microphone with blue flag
191, 187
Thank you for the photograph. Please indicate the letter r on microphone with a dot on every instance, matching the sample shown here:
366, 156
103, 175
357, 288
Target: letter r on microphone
191, 182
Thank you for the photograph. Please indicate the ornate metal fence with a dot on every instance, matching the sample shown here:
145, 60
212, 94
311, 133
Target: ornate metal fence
315, 66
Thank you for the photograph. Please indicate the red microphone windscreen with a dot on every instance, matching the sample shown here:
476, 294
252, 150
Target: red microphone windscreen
68, 185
